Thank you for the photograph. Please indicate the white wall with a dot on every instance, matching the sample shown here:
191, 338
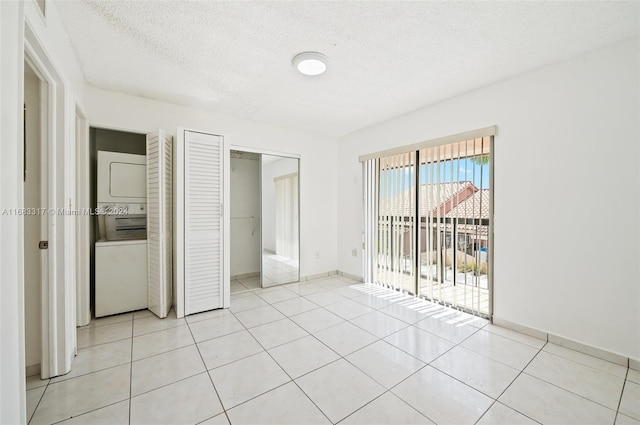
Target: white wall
32, 276
12, 365
53, 38
566, 192
245, 202
318, 155
55, 41
49, 41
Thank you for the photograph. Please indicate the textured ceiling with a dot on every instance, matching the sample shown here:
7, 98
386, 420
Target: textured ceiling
386, 58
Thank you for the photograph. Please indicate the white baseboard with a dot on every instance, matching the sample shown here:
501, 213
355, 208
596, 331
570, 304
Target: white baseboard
329, 274
245, 275
351, 276
32, 370
571, 344
520, 328
318, 275
590, 350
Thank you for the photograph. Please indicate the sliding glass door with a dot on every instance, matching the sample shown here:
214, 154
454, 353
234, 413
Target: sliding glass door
455, 210
428, 216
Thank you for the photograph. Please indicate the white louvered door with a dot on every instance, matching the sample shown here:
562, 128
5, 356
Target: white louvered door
201, 222
159, 221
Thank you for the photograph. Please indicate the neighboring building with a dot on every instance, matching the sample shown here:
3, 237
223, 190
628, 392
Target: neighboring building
458, 208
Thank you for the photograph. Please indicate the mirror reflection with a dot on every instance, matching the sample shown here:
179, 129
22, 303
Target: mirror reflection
280, 219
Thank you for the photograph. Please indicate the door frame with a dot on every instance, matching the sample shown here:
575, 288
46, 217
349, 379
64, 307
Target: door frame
58, 277
83, 202
83, 199
46, 266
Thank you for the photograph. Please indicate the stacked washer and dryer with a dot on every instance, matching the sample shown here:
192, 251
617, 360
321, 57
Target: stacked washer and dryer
121, 249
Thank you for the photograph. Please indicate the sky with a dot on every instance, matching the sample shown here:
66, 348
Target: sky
457, 170
448, 171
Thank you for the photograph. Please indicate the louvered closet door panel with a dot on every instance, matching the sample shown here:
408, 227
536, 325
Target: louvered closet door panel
167, 222
159, 223
203, 222
154, 270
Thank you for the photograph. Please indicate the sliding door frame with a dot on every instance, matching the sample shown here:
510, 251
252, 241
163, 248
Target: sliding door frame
371, 208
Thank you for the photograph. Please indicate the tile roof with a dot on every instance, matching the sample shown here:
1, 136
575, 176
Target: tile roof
476, 206
431, 195
451, 200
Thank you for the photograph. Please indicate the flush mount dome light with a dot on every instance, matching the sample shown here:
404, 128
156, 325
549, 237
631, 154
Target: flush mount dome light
310, 63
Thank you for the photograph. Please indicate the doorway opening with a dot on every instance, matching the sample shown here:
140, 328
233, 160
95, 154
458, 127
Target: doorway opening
118, 235
264, 220
245, 221
35, 217
46, 96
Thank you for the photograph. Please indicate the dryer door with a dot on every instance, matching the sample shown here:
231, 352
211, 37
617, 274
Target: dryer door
122, 178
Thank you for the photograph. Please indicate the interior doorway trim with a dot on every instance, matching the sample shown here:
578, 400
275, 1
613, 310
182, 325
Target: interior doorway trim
83, 203
260, 151
83, 200
58, 295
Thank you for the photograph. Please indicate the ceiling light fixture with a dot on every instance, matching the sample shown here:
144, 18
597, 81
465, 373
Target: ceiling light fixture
310, 63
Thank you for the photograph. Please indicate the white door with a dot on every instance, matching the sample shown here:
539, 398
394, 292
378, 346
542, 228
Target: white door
159, 221
199, 222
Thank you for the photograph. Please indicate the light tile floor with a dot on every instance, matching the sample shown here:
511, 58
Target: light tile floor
328, 351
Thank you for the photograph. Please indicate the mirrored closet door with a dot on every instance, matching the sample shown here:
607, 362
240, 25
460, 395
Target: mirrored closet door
280, 211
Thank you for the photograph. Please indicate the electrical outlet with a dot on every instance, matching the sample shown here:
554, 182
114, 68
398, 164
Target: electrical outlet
354, 252
317, 255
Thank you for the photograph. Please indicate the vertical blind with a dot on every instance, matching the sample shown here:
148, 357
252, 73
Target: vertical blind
427, 222
287, 216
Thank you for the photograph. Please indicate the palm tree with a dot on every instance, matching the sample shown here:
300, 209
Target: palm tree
480, 160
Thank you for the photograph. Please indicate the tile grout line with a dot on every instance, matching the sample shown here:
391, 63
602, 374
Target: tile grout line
373, 309
501, 362
224, 410
39, 400
382, 339
485, 329
428, 364
365, 373
66, 380
509, 386
571, 392
131, 338
596, 369
104, 343
340, 357
85, 374
133, 320
387, 391
624, 384
285, 372
86, 413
